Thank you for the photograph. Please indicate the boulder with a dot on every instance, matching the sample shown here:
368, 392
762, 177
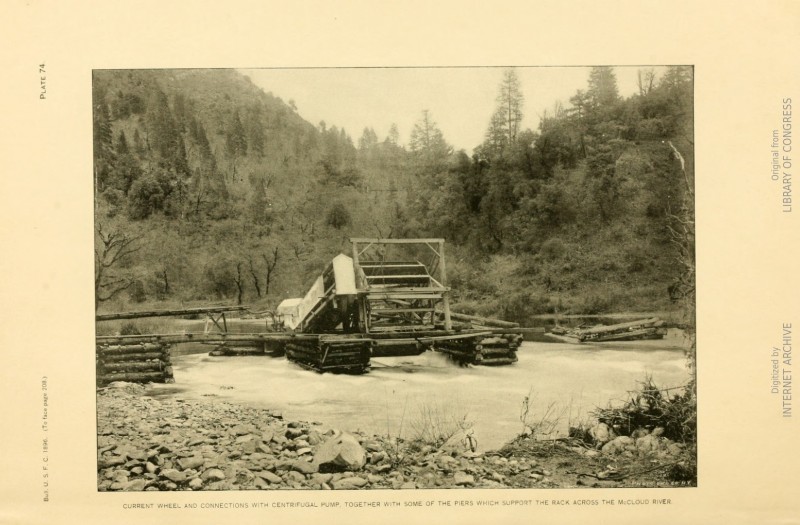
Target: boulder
601, 433
341, 451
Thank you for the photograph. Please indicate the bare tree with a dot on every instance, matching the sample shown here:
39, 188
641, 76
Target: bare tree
239, 280
645, 80
270, 262
254, 275
111, 248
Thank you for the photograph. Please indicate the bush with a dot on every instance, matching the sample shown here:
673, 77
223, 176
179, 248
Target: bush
650, 407
338, 217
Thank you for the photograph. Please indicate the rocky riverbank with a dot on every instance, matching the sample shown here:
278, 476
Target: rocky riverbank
149, 444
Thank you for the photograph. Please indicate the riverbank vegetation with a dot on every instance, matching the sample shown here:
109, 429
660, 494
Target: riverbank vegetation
210, 190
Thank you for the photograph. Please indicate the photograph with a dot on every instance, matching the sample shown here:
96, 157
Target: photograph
395, 278
399, 263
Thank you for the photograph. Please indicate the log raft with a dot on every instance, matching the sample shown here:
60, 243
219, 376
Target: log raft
134, 362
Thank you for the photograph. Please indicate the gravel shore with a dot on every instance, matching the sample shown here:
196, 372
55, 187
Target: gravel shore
149, 444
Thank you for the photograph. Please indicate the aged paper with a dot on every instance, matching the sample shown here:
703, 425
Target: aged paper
747, 85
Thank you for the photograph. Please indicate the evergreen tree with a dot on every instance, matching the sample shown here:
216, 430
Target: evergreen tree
235, 140
507, 118
427, 143
602, 90
103, 140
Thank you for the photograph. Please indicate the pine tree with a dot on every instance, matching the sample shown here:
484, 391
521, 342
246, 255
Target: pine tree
103, 140
236, 140
427, 142
602, 90
507, 118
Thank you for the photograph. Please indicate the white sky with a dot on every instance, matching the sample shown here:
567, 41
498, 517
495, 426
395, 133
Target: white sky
461, 100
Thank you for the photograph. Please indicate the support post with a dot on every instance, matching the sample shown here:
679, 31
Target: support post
448, 324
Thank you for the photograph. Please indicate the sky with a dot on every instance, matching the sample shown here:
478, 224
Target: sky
460, 100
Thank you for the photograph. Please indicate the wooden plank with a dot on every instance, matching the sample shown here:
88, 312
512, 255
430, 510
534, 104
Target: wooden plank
386, 296
202, 337
651, 322
378, 311
483, 320
364, 240
167, 313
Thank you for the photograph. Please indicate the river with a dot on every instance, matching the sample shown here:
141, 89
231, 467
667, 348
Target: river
403, 396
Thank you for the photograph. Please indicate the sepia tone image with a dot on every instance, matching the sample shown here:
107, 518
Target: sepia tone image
395, 278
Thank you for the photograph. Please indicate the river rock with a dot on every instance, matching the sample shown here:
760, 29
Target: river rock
279, 439
314, 438
639, 433
137, 485
658, 431
350, 483
295, 476
618, 445
377, 457
196, 484
304, 467
674, 449
213, 474
462, 478
270, 477
241, 430
321, 478
110, 461
601, 433
647, 444
173, 475
293, 432
194, 462
341, 451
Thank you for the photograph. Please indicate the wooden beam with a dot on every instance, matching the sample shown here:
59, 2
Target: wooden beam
167, 313
483, 320
363, 240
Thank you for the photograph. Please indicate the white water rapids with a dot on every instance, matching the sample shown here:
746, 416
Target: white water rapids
401, 395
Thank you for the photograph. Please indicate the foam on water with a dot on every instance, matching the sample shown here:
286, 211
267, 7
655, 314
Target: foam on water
399, 393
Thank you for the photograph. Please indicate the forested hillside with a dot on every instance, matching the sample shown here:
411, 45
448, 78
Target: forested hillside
210, 190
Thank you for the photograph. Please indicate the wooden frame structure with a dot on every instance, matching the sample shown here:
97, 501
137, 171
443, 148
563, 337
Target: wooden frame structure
400, 296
